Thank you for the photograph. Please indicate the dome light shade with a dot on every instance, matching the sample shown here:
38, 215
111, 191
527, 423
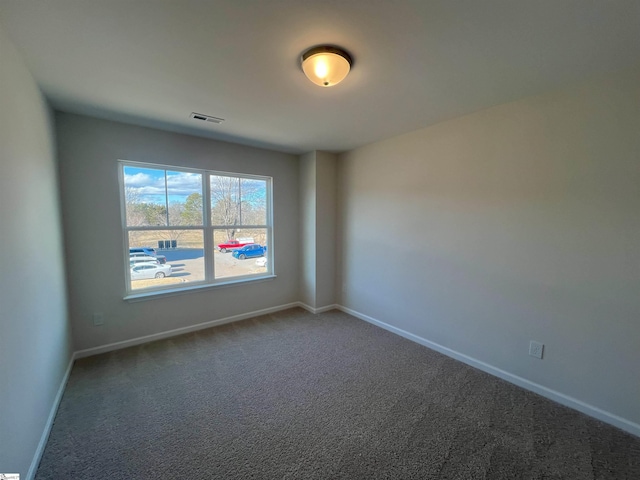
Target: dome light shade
326, 66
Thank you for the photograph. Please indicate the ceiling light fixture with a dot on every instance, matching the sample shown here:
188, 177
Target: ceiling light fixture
326, 65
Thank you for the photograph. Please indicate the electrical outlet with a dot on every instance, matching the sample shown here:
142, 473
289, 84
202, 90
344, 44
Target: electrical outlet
98, 319
536, 349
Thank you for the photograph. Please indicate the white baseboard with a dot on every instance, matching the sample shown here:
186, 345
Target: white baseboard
549, 393
317, 310
33, 468
178, 331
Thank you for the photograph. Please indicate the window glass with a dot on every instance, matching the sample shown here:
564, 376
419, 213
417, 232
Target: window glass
225, 200
254, 201
165, 223
182, 250
184, 191
238, 201
145, 197
245, 256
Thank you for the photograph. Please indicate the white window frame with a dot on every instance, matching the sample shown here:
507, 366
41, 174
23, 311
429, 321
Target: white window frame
207, 230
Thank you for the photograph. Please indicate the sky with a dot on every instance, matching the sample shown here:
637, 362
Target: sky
149, 184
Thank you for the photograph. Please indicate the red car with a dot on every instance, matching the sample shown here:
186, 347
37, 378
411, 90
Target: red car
234, 244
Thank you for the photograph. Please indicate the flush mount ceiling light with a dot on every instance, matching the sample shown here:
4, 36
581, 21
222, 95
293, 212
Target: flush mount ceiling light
326, 65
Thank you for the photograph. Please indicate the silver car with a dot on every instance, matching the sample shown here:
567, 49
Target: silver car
143, 271
138, 258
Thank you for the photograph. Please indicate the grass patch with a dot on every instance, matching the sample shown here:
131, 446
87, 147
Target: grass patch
155, 282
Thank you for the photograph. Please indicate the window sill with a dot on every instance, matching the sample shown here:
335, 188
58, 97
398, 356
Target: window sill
170, 292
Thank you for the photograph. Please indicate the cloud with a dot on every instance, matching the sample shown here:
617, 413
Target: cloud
141, 180
184, 183
150, 187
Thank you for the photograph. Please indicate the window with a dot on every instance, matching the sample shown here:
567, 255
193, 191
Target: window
188, 228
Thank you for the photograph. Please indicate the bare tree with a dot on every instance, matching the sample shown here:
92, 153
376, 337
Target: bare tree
236, 202
225, 203
134, 215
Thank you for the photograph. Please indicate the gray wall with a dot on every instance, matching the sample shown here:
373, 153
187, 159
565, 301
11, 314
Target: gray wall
308, 229
326, 206
88, 153
34, 330
518, 222
318, 209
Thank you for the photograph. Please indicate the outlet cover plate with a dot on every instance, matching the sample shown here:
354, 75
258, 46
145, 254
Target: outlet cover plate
536, 349
98, 319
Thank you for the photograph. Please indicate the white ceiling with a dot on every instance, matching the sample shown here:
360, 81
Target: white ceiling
416, 62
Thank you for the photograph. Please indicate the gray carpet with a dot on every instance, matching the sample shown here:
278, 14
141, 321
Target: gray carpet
298, 396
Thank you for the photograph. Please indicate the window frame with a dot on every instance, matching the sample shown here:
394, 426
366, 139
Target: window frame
207, 229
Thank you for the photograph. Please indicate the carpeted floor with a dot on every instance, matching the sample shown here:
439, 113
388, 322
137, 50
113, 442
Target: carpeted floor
298, 396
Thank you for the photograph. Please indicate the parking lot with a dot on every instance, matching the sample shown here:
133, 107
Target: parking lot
188, 266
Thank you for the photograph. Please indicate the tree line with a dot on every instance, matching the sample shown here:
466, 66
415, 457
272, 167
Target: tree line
233, 204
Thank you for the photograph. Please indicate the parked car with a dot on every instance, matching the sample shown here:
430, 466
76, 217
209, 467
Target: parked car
149, 251
261, 262
233, 244
146, 250
249, 251
138, 258
150, 270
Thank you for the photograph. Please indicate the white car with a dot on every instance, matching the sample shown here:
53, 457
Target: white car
149, 270
137, 258
261, 262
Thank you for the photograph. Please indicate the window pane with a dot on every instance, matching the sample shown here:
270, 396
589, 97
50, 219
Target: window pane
155, 196
184, 191
181, 250
225, 200
254, 201
244, 253
145, 197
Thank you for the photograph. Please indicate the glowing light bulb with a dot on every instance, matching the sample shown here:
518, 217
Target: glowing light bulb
321, 69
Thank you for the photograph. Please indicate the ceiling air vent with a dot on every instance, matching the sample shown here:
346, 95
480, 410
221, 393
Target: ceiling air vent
206, 118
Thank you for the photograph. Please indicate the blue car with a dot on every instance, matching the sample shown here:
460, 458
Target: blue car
250, 251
